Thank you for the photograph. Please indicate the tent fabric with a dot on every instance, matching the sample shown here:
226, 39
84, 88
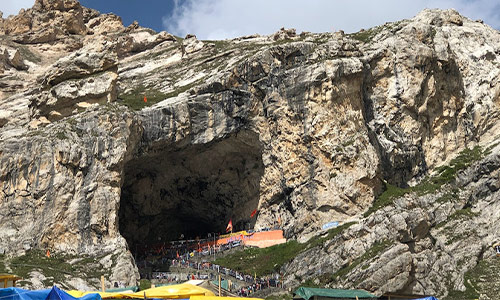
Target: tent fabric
306, 293
13, 293
125, 289
176, 291
195, 281
58, 294
48, 294
102, 295
428, 298
220, 298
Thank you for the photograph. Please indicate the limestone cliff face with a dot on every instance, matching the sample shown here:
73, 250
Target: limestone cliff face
306, 129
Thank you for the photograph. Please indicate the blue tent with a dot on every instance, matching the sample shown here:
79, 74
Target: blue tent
58, 294
48, 294
428, 298
13, 293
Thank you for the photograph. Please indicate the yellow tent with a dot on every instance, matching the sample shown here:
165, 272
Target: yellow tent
177, 291
220, 298
104, 295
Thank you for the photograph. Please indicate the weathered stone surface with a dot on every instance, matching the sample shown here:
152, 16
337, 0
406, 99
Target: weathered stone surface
412, 256
306, 129
66, 15
45, 35
72, 155
64, 98
14, 59
141, 39
78, 65
104, 24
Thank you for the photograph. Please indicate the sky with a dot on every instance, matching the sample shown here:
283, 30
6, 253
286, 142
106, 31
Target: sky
221, 19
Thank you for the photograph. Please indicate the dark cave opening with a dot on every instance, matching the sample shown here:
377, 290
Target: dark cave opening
191, 192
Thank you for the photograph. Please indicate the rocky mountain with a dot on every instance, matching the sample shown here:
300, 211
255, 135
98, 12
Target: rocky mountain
113, 137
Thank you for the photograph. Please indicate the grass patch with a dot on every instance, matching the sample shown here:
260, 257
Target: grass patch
135, 99
329, 278
144, 284
269, 260
310, 282
463, 160
448, 197
442, 175
57, 267
367, 36
482, 279
461, 214
181, 90
449, 230
452, 238
61, 135
262, 261
386, 198
220, 45
3, 269
374, 250
331, 233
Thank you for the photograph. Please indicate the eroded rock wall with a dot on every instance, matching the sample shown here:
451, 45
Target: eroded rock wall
328, 119
61, 188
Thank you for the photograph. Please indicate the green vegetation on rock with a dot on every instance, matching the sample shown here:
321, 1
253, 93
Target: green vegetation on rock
268, 260
3, 269
442, 175
461, 215
328, 278
463, 160
135, 99
465, 213
372, 252
61, 135
261, 261
482, 279
319, 240
56, 268
144, 284
367, 36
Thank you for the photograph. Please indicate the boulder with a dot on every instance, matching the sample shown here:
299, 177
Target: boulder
45, 35
104, 24
15, 60
78, 65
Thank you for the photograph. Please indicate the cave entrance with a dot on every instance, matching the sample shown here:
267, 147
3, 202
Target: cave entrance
191, 192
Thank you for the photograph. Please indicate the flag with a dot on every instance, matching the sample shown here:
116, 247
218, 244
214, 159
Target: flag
253, 213
145, 99
229, 226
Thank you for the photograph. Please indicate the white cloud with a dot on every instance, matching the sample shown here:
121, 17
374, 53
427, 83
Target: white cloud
219, 19
12, 7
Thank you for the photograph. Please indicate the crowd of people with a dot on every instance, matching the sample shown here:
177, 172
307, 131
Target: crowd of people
254, 283
183, 254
